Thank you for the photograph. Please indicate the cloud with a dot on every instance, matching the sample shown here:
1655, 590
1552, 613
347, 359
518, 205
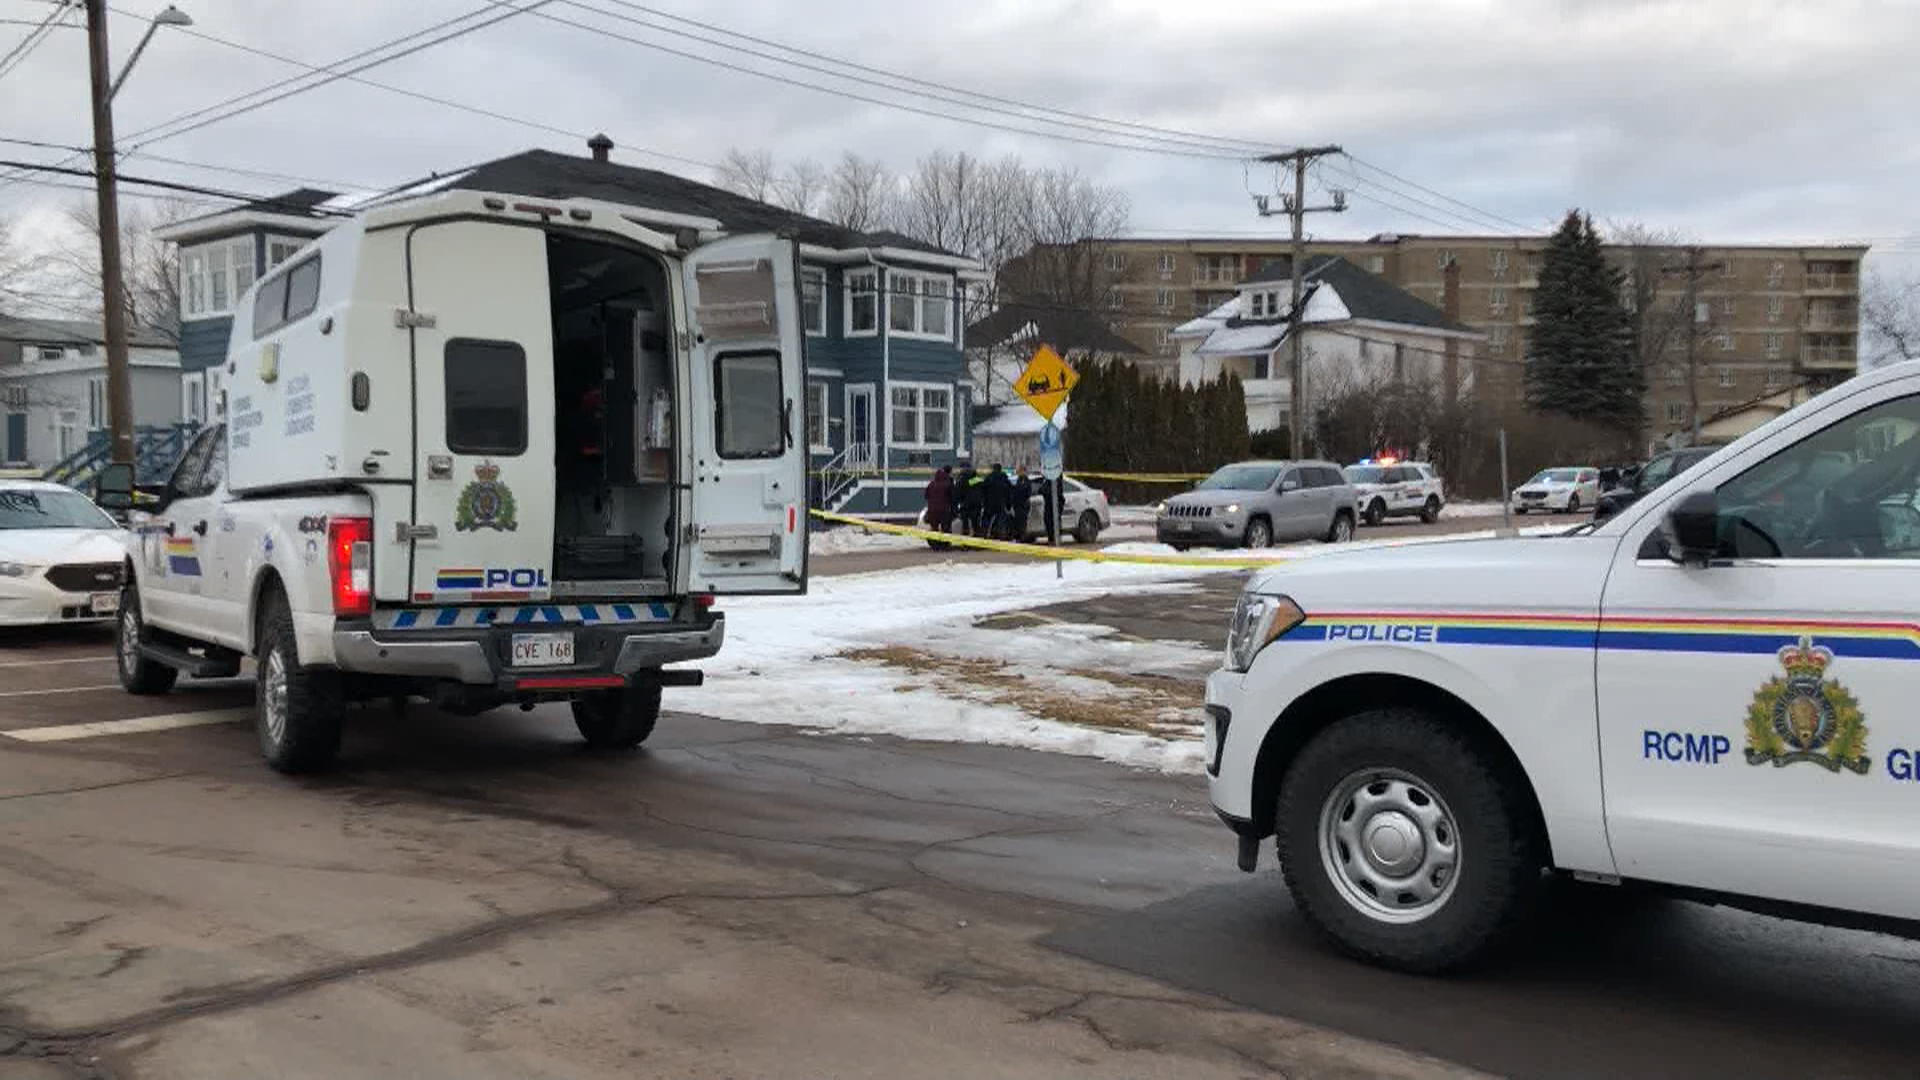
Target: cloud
1731, 120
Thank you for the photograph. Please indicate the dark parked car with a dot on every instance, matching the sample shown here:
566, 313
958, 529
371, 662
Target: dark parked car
1651, 475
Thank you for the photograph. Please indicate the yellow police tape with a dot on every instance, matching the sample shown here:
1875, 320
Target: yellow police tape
1042, 551
1138, 478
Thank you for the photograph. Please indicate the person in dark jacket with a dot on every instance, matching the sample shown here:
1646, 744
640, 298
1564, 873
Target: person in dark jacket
1022, 503
998, 501
967, 498
940, 500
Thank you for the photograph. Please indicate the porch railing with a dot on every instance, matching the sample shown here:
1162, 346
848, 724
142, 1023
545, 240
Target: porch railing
156, 448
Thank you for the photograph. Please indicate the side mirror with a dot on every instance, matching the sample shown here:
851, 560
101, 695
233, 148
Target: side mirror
1692, 528
113, 488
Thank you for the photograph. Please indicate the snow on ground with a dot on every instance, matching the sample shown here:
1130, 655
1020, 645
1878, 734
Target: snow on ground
850, 538
898, 653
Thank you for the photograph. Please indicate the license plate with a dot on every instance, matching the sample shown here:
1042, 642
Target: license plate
104, 603
542, 650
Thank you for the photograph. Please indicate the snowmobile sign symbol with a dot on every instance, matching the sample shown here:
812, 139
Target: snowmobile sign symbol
1046, 381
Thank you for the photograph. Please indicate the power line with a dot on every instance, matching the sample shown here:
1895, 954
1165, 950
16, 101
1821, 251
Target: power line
430, 98
1244, 146
1440, 195
1379, 192
43, 30
337, 185
857, 96
266, 201
333, 76
1098, 125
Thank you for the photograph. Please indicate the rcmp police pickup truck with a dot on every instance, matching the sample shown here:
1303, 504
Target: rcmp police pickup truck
485, 450
1712, 693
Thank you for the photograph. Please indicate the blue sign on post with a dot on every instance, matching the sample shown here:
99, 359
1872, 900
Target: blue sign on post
1051, 462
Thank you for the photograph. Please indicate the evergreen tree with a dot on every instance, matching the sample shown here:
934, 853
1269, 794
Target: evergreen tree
1581, 362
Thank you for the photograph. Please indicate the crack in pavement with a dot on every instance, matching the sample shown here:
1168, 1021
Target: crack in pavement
103, 786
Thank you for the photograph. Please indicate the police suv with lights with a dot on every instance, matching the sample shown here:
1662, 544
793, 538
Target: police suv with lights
1709, 693
483, 450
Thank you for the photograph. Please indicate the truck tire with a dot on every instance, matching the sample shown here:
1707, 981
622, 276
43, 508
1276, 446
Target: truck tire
138, 675
1087, 529
1376, 511
1405, 843
1430, 511
298, 711
1259, 533
618, 719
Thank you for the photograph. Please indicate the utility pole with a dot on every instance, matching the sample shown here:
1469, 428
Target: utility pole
1296, 208
1694, 270
114, 315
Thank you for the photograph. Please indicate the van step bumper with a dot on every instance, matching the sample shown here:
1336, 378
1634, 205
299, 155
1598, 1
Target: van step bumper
473, 657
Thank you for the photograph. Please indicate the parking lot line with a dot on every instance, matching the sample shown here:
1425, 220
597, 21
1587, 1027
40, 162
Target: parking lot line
62, 660
131, 726
59, 690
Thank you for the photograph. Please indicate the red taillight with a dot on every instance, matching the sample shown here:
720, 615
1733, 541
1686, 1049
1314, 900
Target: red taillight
702, 600
350, 562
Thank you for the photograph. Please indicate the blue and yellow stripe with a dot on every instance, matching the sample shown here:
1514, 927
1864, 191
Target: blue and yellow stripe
1875, 640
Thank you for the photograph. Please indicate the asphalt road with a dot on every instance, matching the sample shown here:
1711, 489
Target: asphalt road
481, 898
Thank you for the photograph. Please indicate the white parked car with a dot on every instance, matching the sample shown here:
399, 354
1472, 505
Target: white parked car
60, 556
1566, 490
1708, 694
1396, 489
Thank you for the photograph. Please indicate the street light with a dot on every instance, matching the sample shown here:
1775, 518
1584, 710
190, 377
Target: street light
172, 16
113, 303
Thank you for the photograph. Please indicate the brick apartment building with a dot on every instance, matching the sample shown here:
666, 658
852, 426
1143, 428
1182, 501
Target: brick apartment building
1767, 316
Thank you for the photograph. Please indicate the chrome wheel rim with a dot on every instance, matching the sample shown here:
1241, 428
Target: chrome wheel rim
1259, 535
129, 641
1342, 530
1389, 845
273, 699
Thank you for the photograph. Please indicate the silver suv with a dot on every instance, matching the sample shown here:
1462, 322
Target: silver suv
1254, 503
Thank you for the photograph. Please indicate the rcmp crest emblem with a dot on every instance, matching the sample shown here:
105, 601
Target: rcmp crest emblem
1804, 716
486, 503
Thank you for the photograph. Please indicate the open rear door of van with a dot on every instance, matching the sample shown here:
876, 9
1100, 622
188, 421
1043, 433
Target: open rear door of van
747, 418
482, 527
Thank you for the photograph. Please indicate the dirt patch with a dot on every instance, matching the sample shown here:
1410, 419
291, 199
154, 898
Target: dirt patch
1152, 705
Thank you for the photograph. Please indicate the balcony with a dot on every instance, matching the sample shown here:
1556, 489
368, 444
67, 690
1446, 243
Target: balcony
1843, 322
1832, 281
1828, 358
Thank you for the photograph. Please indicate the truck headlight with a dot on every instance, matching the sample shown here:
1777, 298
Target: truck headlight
1257, 620
16, 569
1160, 509
1233, 508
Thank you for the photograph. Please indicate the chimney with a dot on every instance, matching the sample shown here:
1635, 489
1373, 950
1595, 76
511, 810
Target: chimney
601, 146
1450, 307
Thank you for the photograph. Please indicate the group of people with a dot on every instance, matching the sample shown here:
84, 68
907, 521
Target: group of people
992, 504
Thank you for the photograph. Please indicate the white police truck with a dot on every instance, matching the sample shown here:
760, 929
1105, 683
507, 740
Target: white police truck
1710, 693
487, 450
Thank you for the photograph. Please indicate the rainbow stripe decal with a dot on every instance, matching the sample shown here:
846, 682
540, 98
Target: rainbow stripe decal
1873, 640
465, 577
181, 558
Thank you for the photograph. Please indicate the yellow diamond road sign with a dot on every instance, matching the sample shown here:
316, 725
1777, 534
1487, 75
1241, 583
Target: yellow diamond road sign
1046, 381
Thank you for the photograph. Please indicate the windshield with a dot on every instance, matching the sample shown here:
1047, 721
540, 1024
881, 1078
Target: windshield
1554, 476
24, 509
1241, 478
1363, 474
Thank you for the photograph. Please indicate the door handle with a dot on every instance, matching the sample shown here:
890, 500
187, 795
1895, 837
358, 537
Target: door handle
169, 528
200, 527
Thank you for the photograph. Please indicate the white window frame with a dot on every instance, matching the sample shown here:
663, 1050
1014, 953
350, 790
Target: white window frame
1725, 340
1729, 306
818, 278
1163, 299
861, 282
1776, 345
1497, 300
1166, 262
1497, 262
1726, 377
297, 243
921, 410
1114, 261
818, 404
1776, 308
1497, 340
1776, 274
17, 397
911, 286
1376, 264
1676, 375
1445, 256
1676, 411
40, 353
1776, 380
96, 402
236, 275
193, 397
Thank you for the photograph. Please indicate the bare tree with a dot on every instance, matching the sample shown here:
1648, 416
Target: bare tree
1655, 297
1889, 321
800, 186
150, 267
1063, 221
860, 194
750, 173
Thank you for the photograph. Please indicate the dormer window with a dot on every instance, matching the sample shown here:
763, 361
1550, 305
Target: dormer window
1264, 305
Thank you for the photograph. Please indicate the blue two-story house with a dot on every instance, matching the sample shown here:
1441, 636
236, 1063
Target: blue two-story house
887, 390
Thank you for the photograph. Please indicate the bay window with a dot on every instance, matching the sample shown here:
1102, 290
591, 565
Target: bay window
863, 302
922, 416
212, 276
920, 305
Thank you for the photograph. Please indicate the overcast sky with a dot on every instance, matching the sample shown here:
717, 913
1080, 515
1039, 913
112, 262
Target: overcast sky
1730, 120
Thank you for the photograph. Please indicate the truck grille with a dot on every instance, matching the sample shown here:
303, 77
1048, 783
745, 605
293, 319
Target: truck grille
85, 577
1190, 511
1533, 494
